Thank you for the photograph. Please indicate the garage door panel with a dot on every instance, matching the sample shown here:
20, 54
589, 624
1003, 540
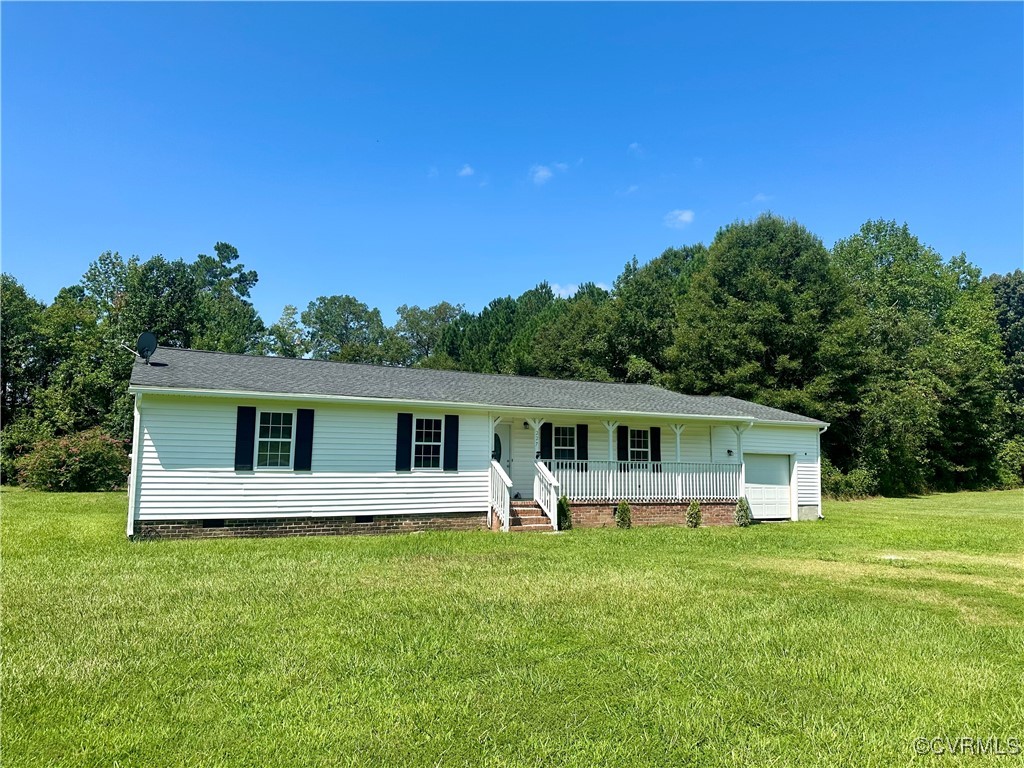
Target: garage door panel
767, 485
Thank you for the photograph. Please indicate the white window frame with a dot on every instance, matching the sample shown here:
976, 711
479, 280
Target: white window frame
555, 448
440, 454
256, 443
647, 450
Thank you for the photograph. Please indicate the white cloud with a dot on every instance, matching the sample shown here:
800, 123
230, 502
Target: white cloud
540, 174
761, 197
565, 291
432, 172
631, 189
563, 167
466, 170
635, 149
678, 218
570, 289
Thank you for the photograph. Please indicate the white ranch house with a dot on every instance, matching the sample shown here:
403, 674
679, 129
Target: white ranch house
243, 445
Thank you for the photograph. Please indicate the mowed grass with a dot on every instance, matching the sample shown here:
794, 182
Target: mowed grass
834, 642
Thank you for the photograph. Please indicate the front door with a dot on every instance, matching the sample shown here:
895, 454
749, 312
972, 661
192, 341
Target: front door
501, 447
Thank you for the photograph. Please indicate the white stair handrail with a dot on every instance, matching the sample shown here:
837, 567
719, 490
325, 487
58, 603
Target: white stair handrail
545, 492
500, 494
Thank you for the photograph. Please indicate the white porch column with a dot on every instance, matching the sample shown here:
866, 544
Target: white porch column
536, 424
611, 426
739, 452
678, 429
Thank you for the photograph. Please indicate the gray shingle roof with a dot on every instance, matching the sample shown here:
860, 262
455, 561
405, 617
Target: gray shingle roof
189, 369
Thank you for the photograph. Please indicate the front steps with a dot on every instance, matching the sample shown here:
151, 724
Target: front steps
527, 516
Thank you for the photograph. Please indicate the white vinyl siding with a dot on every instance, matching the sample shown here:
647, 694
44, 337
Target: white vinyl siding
801, 443
187, 465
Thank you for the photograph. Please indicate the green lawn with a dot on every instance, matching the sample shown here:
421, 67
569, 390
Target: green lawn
824, 643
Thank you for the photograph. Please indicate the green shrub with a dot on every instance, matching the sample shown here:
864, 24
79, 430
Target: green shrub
623, 515
564, 514
743, 512
85, 461
856, 484
693, 515
17, 439
1011, 464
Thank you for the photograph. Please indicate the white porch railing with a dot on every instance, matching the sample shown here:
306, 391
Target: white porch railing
500, 503
646, 480
545, 492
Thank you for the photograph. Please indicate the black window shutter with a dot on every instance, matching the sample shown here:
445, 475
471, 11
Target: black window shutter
245, 437
304, 440
655, 443
403, 443
451, 443
546, 441
623, 443
582, 442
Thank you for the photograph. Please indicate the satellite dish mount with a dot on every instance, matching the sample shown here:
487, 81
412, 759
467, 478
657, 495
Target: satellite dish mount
146, 346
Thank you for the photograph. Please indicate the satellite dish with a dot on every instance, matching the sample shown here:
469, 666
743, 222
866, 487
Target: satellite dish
146, 346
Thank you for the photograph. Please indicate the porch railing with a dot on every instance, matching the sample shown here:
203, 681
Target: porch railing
545, 492
646, 480
500, 501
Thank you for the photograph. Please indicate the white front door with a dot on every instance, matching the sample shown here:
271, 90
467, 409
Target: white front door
767, 485
501, 447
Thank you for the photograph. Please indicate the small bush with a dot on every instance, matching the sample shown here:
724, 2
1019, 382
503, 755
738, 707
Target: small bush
856, 484
623, 515
743, 512
17, 439
693, 515
564, 514
85, 461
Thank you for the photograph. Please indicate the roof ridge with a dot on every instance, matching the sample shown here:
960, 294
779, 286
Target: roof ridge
435, 370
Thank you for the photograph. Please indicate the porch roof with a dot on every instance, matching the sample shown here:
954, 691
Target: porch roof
197, 371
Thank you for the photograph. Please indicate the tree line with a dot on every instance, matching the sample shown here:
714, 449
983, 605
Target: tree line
916, 360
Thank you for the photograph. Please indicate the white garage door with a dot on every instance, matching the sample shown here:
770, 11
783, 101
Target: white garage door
767, 485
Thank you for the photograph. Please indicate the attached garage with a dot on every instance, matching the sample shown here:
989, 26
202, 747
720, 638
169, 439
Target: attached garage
768, 485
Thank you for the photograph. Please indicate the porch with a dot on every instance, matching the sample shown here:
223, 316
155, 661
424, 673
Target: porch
608, 482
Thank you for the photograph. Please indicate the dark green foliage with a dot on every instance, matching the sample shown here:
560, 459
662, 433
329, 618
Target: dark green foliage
564, 514
1011, 463
623, 515
286, 338
742, 514
22, 363
343, 328
693, 515
931, 410
766, 318
858, 483
916, 362
84, 461
17, 439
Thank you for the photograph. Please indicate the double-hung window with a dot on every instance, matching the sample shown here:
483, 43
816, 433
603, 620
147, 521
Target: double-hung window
564, 443
274, 439
426, 444
639, 445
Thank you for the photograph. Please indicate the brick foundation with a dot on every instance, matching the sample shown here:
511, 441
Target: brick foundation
310, 526
598, 514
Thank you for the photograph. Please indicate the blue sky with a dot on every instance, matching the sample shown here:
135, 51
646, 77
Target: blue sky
414, 153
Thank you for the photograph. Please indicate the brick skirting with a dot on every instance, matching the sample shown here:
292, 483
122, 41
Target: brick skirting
309, 526
597, 514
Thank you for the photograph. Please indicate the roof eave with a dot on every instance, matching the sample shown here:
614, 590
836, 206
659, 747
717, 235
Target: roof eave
481, 407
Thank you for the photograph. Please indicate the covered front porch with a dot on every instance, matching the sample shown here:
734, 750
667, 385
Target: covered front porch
534, 458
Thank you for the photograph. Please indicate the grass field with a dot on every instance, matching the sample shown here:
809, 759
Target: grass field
835, 642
